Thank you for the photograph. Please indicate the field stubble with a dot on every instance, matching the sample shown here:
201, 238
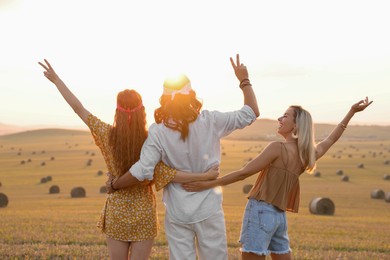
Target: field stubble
39, 225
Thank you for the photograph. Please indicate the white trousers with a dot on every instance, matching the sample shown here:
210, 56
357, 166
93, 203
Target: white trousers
207, 237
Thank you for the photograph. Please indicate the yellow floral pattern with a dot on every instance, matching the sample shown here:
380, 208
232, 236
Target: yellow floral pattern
128, 214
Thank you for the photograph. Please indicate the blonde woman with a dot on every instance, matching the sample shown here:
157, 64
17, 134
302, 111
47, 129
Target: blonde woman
276, 190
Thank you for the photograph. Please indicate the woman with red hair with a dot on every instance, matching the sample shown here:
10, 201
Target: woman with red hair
129, 217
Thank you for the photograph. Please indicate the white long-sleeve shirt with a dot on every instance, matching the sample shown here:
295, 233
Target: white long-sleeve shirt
199, 152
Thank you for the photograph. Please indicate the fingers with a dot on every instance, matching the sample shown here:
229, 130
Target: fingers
235, 65
43, 65
48, 64
232, 62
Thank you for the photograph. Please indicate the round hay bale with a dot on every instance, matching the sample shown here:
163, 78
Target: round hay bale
52, 158
49, 178
387, 162
246, 188
103, 189
317, 174
345, 178
43, 180
99, 173
54, 189
377, 194
339, 172
23, 162
360, 166
321, 206
386, 177
3, 200
43, 163
89, 162
387, 197
1, 184
78, 192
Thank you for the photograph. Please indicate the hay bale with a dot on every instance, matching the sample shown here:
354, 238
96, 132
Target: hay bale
103, 189
99, 173
377, 194
43, 180
387, 197
317, 174
3, 200
43, 163
49, 178
23, 162
1, 184
360, 166
89, 162
339, 172
52, 158
387, 162
246, 188
78, 192
345, 178
54, 189
386, 177
321, 206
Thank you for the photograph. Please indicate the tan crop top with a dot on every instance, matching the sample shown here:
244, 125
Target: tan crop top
277, 184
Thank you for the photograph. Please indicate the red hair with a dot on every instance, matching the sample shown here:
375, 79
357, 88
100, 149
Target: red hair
129, 131
178, 113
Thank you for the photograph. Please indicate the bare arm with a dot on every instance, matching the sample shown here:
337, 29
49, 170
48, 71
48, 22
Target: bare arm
242, 75
324, 145
270, 153
69, 97
183, 177
128, 180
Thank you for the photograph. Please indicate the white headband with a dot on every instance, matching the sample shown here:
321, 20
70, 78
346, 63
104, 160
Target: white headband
184, 90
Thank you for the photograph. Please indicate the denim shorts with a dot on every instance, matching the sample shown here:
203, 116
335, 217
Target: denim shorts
264, 229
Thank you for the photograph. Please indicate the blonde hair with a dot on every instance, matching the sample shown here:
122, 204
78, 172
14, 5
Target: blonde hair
305, 138
129, 131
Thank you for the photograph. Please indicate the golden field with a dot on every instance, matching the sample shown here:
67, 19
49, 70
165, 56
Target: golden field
39, 225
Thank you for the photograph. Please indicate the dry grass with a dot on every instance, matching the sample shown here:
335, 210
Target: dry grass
39, 225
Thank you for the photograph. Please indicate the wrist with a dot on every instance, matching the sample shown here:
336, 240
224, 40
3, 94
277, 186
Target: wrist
244, 83
112, 184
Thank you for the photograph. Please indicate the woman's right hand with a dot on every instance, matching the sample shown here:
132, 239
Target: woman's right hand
212, 173
49, 72
239, 69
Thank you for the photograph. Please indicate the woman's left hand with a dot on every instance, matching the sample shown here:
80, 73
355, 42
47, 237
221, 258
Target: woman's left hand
49, 72
361, 105
196, 186
109, 182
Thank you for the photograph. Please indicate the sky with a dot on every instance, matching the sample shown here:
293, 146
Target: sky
322, 55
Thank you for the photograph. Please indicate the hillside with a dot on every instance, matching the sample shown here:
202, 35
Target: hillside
261, 129
266, 129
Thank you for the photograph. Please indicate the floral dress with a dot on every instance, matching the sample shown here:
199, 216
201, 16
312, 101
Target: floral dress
128, 214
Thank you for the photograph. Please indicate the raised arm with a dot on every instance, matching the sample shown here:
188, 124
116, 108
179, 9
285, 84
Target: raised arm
69, 97
243, 77
324, 145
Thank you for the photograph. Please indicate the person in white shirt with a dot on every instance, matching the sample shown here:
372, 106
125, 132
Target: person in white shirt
185, 138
